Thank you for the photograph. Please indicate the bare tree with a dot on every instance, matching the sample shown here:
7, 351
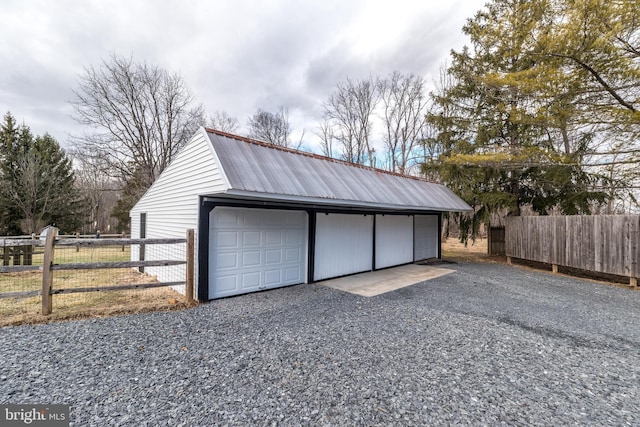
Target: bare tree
222, 121
141, 116
403, 114
327, 137
99, 190
349, 110
273, 128
35, 192
439, 132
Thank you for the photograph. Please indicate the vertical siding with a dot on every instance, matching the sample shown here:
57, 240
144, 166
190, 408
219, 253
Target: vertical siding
394, 240
344, 245
426, 237
171, 204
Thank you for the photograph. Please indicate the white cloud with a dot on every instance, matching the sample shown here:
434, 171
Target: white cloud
236, 55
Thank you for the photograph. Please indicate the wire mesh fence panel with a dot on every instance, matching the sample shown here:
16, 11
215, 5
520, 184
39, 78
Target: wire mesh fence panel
20, 284
17, 309
92, 277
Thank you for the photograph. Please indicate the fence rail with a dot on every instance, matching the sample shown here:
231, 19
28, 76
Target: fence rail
601, 243
49, 266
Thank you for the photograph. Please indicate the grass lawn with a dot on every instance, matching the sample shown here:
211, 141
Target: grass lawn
473, 251
66, 306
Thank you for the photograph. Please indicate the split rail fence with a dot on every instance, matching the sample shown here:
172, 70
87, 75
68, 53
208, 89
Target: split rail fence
607, 244
22, 252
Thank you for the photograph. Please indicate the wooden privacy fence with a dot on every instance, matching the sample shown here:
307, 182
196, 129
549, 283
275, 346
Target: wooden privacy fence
601, 243
495, 240
48, 266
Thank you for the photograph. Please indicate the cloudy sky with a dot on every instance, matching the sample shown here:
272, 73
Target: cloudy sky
235, 55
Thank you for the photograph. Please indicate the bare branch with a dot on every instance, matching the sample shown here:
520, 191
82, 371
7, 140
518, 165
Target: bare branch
222, 121
273, 128
141, 116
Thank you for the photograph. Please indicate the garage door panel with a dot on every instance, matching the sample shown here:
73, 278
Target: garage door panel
251, 219
227, 284
251, 281
253, 249
272, 220
293, 274
344, 245
226, 218
292, 255
228, 260
251, 258
251, 238
273, 256
294, 237
426, 240
227, 239
273, 238
272, 277
394, 240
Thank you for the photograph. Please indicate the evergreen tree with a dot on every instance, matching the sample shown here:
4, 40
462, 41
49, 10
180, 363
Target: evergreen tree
498, 128
13, 140
36, 182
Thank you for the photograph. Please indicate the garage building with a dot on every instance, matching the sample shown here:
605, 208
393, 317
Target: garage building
268, 216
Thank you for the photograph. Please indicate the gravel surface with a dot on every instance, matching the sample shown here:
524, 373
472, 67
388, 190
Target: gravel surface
490, 344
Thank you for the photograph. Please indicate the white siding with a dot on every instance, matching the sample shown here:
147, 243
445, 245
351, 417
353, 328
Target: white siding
343, 245
394, 240
426, 240
171, 204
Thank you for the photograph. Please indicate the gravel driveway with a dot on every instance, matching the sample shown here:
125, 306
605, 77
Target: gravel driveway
489, 344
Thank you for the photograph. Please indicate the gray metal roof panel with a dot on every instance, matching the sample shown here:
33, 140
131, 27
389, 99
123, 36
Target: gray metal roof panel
251, 166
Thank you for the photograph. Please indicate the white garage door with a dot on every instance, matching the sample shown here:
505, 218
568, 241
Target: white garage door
255, 249
343, 245
426, 237
394, 240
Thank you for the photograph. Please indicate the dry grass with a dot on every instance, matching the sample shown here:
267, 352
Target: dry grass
99, 304
476, 251
15, 311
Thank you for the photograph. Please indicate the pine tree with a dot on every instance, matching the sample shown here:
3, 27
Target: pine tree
36, 182
498, 126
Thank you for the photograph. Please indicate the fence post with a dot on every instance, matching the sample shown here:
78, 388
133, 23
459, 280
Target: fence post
47, 273
633, 282
190, 265
77, 237
5, 253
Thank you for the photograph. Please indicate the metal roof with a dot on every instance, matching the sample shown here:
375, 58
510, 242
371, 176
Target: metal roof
256, 169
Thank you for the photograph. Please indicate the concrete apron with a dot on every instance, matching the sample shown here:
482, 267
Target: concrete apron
374, 283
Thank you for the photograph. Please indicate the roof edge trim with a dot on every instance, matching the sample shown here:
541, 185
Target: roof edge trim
216, 159
329, 202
